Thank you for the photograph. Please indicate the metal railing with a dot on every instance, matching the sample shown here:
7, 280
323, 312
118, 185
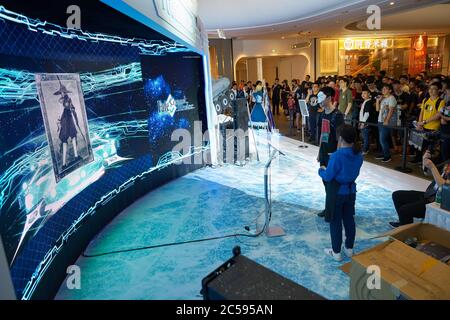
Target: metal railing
406, 135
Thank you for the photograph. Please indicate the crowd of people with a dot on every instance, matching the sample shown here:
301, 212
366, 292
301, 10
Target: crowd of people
378, 109
379, 106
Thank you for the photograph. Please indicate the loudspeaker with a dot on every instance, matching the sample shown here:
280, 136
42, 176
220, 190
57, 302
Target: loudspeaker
240, 278
240, 113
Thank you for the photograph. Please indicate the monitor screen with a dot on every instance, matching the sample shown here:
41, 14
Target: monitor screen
84, 116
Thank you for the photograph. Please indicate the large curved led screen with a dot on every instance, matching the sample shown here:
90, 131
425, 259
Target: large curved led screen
83, 116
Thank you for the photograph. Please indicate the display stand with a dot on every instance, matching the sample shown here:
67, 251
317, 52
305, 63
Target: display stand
305, 116
270, 231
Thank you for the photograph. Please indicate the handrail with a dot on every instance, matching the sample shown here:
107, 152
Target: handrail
406, 130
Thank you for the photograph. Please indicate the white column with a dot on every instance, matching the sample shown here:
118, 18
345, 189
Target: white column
213, 124
259, 69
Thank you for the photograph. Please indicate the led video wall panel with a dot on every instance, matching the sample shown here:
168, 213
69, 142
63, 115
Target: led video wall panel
83, 116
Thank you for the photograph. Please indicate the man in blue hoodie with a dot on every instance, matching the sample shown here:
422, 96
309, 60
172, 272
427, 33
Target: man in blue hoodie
340, 175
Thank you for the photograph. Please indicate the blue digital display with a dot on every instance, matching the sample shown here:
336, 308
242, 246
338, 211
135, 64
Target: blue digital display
136, 92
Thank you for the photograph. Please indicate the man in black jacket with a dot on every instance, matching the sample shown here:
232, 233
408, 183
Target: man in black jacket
367, 114
276, 91
328, 122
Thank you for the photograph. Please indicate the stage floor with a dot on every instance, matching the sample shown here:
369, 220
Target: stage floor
221, 201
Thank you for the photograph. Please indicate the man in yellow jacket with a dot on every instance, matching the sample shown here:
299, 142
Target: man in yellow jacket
430, 114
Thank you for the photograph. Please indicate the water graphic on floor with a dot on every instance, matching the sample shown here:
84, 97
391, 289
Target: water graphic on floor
222, 201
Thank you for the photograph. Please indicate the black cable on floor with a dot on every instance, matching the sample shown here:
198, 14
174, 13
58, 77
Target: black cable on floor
173, 244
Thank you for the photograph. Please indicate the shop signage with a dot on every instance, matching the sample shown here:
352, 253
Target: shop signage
361, 44
419, 44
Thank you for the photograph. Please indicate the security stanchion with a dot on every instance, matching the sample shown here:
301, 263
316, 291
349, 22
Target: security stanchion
403, 168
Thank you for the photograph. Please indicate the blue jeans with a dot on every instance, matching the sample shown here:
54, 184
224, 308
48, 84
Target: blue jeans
343, 214
385, 137
365, 134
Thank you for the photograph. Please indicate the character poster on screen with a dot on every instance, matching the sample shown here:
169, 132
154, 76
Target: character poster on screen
66, 126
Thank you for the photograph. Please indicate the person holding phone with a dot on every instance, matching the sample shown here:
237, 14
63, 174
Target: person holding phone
411, 204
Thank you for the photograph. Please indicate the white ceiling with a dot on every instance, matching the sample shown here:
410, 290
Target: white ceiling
241, 14
272, 19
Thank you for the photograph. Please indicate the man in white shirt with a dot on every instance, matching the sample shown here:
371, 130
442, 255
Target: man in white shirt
387, 107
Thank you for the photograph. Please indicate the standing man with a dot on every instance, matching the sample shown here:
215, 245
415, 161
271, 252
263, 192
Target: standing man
345, 99
387, 107
430, 115
357, 100
313, 110
276, 92
332, 85
304, 83
329, 121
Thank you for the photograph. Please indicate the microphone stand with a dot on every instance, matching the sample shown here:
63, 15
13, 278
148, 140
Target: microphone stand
270, 231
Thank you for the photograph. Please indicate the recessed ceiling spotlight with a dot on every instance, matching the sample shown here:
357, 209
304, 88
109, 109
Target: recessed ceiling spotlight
392, 3
283, 37
273, 50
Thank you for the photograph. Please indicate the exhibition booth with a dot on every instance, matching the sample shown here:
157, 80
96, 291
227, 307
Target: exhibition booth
87, 118
115, 180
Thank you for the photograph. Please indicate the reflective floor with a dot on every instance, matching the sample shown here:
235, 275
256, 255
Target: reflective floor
222, 201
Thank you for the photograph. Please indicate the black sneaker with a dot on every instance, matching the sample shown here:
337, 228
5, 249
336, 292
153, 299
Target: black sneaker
321, 214
379, 157
394, 224
385, 160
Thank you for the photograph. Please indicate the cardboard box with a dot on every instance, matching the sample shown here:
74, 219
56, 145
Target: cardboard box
403, 271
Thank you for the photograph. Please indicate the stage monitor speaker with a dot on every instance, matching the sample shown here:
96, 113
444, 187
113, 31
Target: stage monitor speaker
240, 113
243, 279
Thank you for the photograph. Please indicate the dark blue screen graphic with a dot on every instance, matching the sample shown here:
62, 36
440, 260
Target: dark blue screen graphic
129, 87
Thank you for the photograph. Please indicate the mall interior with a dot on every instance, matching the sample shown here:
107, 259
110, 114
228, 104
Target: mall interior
225, 150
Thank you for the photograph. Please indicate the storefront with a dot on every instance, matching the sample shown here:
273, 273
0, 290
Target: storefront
399, 55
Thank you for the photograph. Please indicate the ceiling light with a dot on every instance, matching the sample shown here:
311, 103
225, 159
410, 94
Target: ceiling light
273, 50
283, 37
392, 3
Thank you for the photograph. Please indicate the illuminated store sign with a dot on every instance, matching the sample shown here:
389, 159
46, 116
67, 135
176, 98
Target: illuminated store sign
367, 44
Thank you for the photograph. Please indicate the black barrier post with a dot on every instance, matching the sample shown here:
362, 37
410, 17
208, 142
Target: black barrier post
403, 168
